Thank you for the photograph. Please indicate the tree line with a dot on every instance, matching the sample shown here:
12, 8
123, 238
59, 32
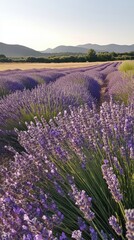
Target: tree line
91, 56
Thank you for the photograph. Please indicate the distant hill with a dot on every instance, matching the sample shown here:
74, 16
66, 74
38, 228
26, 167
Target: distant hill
109, 47
64, 49
21, 51
18, 51
83, 48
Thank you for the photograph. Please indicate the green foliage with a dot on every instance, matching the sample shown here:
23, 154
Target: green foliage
3, 58
38, 60
91, 55
127, 67
72, 57
39, 110
105, 56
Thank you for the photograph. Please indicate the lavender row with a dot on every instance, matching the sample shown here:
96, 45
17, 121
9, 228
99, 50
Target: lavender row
75, 178
120, 86
100, 73
10, 81
79, 85
45, 100
73, 89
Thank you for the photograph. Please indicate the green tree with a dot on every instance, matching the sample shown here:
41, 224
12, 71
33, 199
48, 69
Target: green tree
2, 56
91, 55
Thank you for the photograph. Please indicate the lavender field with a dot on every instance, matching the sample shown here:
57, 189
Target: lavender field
67, 153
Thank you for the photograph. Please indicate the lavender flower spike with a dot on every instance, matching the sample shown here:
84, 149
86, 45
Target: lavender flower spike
129, 214
77, 234
93, 233
83, 201
112, 181
115, 225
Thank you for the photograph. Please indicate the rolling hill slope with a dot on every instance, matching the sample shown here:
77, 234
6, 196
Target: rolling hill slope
18, 51
85, 47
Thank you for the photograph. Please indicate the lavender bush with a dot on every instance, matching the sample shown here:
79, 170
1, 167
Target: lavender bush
46, 101
72, 86
75, 178
10, 81
79, 85
120, 86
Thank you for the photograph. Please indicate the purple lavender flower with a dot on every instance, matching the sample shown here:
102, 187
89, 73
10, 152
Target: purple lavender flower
115, 225
129, 214
83, 201
27, 237
29, 222
63, 236
52, 150
26, 79
82, 224
93, 233
112, 181
120, 86
77, 234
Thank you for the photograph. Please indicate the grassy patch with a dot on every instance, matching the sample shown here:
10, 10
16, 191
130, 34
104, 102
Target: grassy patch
127, 67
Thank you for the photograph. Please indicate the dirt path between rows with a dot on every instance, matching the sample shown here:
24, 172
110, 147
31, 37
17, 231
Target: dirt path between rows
104, 92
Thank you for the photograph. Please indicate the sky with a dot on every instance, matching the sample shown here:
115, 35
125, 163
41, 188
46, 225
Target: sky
42, 24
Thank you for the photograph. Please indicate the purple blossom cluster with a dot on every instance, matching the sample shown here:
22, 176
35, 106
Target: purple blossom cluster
129, 214
23, 106
115, 225
10, 81
120, 86
81, 85
105, 130
27, 212
93, 233
45, 189
72, 87
117, 121
39, 185
47, 101
83, 201
112, 181
21, 219
77, 234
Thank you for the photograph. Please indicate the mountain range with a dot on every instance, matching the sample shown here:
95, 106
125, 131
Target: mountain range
85, 47
21, 51
10, 50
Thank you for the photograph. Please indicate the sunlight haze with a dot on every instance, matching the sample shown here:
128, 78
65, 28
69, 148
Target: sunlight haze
40, 24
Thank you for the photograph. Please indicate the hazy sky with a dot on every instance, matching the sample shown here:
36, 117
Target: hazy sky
40, 24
